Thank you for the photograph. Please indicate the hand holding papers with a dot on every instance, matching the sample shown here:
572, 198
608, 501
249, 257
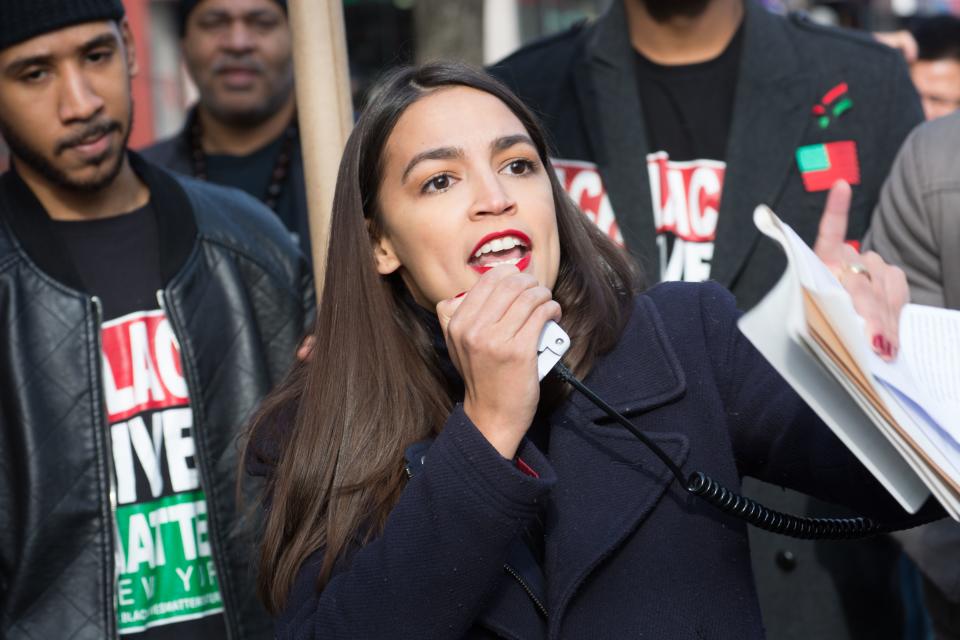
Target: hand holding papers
900, 418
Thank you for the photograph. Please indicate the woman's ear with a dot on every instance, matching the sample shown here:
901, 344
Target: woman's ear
386, 257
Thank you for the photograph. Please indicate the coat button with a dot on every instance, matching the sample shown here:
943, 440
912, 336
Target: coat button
786, 560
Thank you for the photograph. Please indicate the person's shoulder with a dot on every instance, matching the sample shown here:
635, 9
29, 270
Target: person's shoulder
938, 136
238, 222
930, 152
680, 298
827, 41
169, 152
550, 56
693, 318
688, 309
548, 45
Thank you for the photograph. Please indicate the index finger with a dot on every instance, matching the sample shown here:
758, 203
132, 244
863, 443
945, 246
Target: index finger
832, 233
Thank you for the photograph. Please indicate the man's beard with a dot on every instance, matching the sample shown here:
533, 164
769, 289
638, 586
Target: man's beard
665, 10
34, 159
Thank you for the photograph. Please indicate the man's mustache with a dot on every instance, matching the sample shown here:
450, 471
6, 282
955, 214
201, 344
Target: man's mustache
89, 132
238, 64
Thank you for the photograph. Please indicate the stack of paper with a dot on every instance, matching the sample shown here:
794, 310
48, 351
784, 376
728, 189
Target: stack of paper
901, 419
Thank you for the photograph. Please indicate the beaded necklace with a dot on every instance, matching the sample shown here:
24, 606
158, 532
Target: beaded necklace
281, 166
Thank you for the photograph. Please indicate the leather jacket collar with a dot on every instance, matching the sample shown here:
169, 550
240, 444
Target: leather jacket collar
32, 230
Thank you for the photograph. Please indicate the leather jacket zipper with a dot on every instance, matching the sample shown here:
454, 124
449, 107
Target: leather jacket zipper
513, 572
194, 393
111, 471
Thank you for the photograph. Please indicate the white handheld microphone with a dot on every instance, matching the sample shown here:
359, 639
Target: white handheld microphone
554, 342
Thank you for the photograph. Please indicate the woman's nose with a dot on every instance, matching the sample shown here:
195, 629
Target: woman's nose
491, 198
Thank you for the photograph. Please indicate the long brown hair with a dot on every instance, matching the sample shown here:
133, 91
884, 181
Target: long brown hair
373, 384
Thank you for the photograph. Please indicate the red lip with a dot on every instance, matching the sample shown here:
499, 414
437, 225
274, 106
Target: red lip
522, 265
502, 234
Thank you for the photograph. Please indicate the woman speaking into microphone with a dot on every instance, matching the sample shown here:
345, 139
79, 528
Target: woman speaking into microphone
423, 483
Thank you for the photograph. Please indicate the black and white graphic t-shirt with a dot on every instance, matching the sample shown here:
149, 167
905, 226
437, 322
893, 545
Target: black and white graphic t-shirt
166, 580
687, 113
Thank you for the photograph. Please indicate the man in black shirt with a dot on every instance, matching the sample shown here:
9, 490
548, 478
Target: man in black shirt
661, 106
673, 120
142, 318
243, 131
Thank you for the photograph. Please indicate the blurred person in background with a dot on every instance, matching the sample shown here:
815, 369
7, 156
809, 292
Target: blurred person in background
932, 47
672, 120
917, 227
243, 131
936, 72
142, 317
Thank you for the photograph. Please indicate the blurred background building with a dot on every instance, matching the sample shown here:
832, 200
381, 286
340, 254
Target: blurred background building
382, 33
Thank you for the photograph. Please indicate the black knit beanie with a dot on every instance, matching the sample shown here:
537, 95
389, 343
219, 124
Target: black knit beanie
185, 7
21, 20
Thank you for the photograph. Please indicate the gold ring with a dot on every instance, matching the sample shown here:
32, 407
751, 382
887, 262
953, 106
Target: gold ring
858, 268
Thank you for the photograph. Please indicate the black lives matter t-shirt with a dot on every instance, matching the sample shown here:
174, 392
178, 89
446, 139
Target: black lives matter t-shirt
687, 111
167, 584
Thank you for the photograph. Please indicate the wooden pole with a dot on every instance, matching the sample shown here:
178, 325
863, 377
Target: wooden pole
324, 111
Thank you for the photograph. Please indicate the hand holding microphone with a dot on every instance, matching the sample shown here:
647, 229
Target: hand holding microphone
492, 334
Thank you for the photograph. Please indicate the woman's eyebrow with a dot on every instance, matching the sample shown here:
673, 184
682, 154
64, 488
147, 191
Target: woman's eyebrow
504, 143
441, 153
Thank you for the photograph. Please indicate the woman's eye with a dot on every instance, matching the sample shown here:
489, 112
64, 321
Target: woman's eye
437, 184
519, 167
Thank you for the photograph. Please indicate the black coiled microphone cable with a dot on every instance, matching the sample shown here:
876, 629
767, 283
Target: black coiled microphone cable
700, 484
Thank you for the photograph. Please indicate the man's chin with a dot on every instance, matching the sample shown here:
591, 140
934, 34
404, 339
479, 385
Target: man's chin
93, 175
242, 116
96, 176
243, 111
666, 10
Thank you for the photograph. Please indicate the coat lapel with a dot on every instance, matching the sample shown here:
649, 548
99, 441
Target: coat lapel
608, 481
606, 87
771, 113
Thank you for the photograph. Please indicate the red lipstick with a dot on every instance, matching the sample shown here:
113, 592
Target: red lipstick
521, 264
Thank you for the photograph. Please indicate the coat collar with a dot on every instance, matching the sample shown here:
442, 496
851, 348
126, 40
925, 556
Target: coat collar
34, 233
773, 92
608, 481
606, 87
641, 373
770, 115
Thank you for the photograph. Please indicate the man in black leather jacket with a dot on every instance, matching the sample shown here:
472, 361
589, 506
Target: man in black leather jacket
142, 318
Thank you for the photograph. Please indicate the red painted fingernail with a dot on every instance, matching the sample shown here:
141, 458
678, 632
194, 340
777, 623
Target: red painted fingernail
887, 348
460, 295
878, 342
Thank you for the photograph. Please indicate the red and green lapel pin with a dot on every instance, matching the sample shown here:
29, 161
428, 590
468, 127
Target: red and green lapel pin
823, 164
834, 104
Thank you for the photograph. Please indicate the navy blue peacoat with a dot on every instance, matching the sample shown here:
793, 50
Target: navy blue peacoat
627, 553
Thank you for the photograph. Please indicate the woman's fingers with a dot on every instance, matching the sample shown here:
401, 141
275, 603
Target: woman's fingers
305, 350
518, 314
492, 294
494, 310
529, 333
830, 244
879, 292
446, 310
492, 334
